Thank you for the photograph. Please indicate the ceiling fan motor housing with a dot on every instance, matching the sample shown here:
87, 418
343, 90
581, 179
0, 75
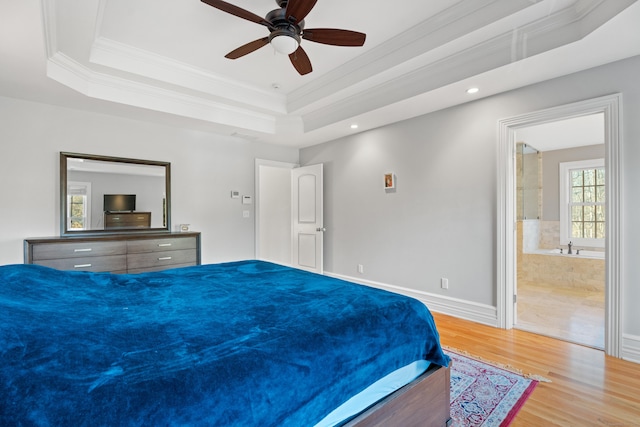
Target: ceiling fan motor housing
282, 26
278, 19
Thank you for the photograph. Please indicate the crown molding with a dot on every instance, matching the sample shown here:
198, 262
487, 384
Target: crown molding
49, 23
414, 63
563, 27
70, 73
141, 62
444, 27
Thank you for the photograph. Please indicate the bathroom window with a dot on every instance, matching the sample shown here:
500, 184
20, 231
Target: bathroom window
582, 203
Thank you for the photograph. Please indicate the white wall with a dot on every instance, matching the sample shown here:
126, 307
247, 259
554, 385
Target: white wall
204, 169
441, 220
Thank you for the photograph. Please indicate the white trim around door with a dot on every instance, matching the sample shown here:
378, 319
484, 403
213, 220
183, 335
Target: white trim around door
611, 106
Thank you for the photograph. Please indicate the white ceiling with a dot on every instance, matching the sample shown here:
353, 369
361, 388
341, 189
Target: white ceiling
562, 134
163, 60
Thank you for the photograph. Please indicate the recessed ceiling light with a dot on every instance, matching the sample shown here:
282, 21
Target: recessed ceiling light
472, 90
354, 126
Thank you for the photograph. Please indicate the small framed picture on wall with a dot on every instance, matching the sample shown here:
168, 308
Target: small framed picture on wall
389, 181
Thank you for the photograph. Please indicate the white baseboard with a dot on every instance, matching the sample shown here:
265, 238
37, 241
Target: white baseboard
630, 348
479, 313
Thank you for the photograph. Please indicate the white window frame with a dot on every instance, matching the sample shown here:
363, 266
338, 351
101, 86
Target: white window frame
565, 198
86, 193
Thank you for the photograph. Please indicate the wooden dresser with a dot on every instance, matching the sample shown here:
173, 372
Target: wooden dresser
127, 220
118, 253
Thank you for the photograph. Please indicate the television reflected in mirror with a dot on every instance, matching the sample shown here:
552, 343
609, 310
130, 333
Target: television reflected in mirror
102, 194
119, 203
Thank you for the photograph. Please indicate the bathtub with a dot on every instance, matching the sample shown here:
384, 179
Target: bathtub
582, 254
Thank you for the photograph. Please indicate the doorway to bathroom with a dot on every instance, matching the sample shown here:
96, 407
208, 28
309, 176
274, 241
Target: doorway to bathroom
560, 230
610, 106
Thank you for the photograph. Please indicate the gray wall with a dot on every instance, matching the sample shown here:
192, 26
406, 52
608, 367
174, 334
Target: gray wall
441, 220
551, 175
204, 169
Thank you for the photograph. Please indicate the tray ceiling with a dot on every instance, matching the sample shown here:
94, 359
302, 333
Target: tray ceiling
164, 59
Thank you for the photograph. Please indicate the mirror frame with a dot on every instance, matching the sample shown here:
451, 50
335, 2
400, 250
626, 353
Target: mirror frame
63, 194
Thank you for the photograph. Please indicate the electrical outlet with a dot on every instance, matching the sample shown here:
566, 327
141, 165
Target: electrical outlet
360, 268
444, 283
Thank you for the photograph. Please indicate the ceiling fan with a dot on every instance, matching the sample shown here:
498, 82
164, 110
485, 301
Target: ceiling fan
286, 27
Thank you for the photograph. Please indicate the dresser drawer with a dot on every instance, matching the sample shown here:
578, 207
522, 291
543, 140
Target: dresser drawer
43, 251
127, 220
159, 268
160, 245
165, 259
111, 263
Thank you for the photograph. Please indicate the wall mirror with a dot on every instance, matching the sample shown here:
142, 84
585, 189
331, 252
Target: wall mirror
101, 194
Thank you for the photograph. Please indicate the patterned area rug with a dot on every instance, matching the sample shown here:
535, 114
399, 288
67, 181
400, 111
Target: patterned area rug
485, 395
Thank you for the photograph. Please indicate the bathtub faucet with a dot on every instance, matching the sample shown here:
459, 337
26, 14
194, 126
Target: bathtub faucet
569, 245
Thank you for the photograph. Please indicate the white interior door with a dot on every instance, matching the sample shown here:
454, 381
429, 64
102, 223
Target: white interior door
307, 221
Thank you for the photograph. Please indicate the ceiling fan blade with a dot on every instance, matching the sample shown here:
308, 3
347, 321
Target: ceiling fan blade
301, 61
334, 37
237, 11
297, 10
247, 48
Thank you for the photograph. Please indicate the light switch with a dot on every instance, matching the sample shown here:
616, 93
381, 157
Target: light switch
246, 214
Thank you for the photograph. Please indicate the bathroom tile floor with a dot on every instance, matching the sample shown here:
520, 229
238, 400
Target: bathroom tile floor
569, 314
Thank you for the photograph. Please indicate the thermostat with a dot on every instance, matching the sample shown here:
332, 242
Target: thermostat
246, 200
235, 194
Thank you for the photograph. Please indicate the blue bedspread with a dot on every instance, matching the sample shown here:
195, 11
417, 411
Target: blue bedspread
246, 343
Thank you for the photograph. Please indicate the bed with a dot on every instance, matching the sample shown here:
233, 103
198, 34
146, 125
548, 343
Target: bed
246, 343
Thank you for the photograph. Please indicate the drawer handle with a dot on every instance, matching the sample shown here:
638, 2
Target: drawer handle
164, 258
140, 217
82, 265
162, 245
83, 250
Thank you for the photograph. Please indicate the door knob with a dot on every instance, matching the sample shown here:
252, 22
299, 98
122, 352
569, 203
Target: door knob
321, 229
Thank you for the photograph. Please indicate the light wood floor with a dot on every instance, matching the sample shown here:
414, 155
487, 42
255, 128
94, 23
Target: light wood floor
571, 314
587, 388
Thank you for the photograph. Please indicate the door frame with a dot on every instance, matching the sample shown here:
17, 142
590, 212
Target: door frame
611, 107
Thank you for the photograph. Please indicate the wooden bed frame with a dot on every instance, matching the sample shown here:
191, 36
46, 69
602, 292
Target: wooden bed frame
424, 402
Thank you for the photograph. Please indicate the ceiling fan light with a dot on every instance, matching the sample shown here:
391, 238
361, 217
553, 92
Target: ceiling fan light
284, 44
